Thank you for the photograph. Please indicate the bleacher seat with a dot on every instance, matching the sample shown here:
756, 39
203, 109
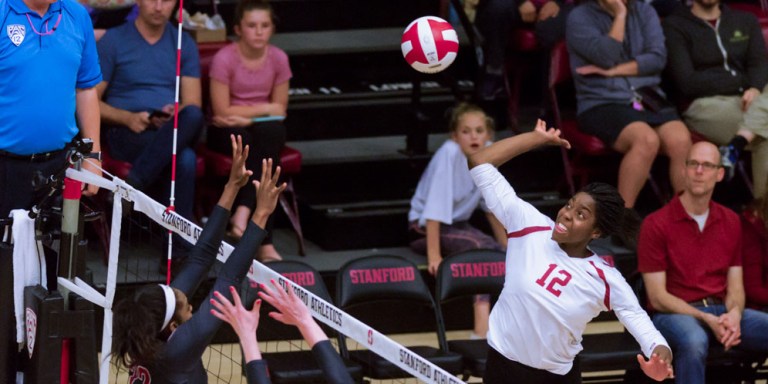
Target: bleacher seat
483, 273
295, 365
357, 290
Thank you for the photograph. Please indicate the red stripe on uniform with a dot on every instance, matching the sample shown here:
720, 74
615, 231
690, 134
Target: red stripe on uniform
526, 231
607, 298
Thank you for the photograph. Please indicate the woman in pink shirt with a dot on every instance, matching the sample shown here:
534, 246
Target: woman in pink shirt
249, 96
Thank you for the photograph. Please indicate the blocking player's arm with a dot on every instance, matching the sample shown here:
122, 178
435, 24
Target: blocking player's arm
504, 150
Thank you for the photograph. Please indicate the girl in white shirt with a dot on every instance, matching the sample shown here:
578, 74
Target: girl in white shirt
446, 197
554, 283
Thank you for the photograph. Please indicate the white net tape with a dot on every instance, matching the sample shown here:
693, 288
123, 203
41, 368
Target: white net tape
322, 310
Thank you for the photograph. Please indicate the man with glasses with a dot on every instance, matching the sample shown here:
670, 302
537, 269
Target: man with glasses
48, 68
689, 253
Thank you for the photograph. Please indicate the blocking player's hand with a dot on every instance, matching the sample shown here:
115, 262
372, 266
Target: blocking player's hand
659, 366
243, 321
267, 192
238, 175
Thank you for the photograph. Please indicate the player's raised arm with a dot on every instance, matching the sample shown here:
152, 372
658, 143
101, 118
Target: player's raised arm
504, 150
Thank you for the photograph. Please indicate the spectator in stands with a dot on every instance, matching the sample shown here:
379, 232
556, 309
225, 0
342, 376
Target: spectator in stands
446, 197
690, 256
554, 283
754, 229
249, 83
156, 335
291, 311
497, 18
720, 67
138, 61
617, 54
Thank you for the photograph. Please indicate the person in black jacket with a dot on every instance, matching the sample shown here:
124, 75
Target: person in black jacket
720, 67
292, 311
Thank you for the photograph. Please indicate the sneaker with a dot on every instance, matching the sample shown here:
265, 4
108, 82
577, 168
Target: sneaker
729, 158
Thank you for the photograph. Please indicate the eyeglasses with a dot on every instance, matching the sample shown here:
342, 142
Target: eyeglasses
707, 166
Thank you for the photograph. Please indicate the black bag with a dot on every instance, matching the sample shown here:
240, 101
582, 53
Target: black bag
651, 99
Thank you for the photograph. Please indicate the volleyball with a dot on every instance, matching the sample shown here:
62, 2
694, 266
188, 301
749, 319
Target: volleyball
429, 44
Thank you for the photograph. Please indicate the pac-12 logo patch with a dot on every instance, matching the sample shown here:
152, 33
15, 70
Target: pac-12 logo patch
31, 320
16, 33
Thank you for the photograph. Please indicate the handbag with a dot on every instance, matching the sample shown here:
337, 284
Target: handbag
651, 99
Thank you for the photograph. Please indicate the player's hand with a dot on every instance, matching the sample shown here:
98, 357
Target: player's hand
549, 9
748, 97
238, 175
243, 322
138, 121
291, 310
551, 135
527, 12
659, 366
267, 190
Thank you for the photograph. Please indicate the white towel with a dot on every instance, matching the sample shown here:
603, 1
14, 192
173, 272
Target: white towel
28, 265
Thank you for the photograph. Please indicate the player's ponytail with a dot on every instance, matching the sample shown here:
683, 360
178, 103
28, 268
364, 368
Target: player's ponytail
612, 218
136, 334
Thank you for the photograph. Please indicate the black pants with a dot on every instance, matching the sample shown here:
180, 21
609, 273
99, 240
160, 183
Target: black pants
499, 369
496, 18
265, 141
16, 192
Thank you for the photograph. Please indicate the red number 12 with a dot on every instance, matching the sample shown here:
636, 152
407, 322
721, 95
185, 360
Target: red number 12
555, 280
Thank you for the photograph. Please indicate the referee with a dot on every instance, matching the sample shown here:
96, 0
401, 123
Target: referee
48, 68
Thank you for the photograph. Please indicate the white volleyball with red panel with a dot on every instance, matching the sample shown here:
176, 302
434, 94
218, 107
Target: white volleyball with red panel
430, 44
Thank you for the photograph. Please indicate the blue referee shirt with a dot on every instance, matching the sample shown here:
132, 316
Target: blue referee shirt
42, 61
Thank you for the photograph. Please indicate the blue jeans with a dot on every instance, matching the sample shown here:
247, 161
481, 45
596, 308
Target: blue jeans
150, 154
690, 339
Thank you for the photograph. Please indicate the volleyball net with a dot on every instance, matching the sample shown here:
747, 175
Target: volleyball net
223, 362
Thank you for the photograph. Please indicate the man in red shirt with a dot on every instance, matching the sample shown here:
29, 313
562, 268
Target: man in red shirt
689, 253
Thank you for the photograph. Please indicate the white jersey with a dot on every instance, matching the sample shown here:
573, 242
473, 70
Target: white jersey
445, 192
548, 296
